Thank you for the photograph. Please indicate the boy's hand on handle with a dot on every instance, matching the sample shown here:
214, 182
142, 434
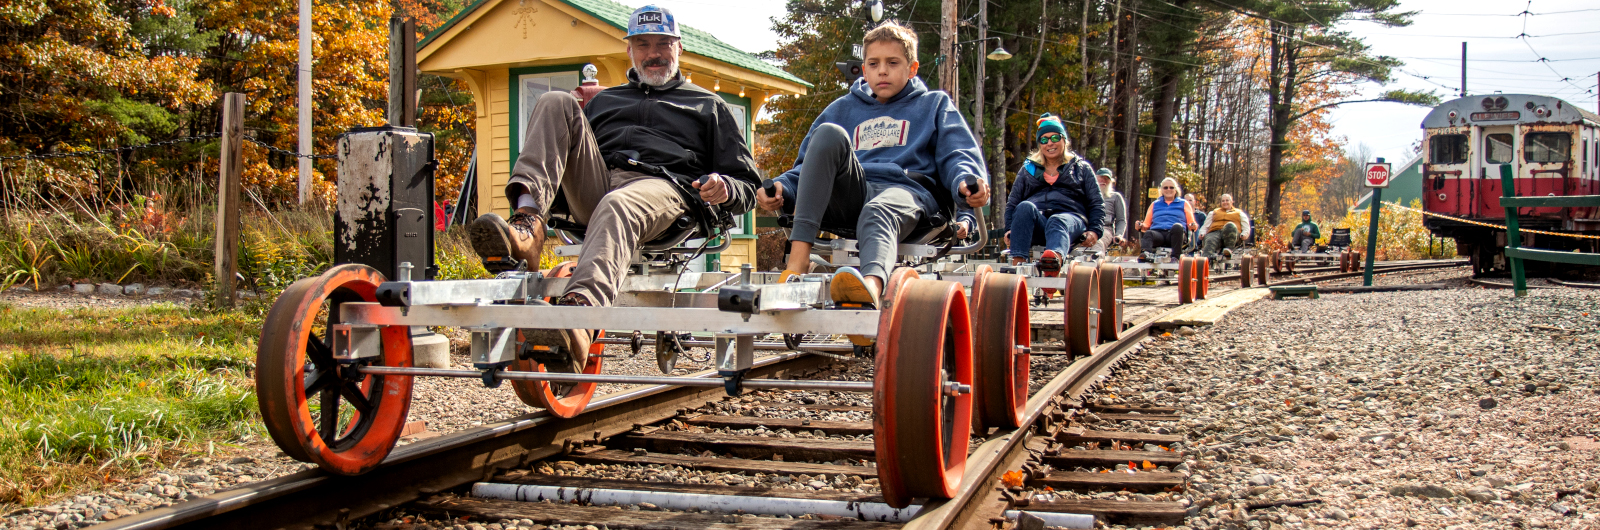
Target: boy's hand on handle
770, 197
1007, 238
1089, 239
712, 188
976, 191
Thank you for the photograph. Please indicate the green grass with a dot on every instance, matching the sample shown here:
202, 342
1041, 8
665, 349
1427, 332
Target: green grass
88, 395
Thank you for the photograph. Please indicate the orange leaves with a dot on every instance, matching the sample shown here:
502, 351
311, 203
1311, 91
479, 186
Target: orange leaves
1013, 479
1148, 466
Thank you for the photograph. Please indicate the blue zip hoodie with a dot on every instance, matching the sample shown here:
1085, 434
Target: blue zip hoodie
918, 131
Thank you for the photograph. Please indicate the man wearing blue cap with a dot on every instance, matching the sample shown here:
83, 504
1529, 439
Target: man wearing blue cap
627, 163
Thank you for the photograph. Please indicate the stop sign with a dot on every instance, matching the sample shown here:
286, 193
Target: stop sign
1378, 175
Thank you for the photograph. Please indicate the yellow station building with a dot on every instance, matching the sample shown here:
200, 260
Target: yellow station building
511, 51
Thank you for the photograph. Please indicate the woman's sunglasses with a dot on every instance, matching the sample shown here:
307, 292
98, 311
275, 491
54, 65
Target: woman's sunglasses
1049, 138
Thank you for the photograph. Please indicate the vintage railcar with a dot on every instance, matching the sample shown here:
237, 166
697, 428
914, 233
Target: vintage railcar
1552, 146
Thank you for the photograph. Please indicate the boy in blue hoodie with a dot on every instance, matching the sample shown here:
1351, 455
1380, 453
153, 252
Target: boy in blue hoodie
874, 162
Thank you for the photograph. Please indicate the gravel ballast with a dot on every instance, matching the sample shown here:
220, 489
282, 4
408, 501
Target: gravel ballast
1461, 408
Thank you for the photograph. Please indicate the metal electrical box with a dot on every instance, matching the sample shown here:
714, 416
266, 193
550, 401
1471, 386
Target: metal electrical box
385, 207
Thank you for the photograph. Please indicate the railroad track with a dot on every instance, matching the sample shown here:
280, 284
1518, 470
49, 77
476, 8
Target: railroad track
627, 428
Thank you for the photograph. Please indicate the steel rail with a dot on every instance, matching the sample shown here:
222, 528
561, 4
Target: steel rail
314, 498
1005, 449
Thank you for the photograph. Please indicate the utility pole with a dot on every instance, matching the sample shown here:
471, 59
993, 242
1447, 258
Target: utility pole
305, 102
978, 70
949, 79
1463, 68
403, 72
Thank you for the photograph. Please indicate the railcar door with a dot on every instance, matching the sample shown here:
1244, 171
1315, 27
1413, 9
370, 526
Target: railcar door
1547, 156
1499, 149
1447, 176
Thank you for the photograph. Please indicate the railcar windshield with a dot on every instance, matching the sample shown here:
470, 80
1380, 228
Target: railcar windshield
1497, 148
1547, 147
1448, 149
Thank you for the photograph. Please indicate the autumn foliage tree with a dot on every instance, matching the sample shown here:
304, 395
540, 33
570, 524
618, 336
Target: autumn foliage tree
79, 75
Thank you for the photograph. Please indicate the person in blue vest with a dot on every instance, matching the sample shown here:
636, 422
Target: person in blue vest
1053, 198
1168, 221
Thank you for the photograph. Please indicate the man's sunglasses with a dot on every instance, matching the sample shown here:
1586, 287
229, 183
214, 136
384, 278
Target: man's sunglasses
1168, 188
1050, 138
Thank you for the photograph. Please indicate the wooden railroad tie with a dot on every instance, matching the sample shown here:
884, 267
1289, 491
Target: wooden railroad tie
1281, 292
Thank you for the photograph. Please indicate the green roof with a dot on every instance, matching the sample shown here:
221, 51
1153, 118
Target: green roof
694, 41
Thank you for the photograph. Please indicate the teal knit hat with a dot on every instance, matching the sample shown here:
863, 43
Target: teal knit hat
1049, 123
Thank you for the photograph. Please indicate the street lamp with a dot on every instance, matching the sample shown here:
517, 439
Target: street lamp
999, 53
876, 9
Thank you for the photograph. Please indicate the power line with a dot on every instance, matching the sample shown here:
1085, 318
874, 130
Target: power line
1523, 13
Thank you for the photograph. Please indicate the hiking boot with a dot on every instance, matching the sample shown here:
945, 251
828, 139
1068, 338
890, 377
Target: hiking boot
1049, 267
574, 342
496, 239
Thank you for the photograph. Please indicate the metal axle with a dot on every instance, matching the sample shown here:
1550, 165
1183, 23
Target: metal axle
563, 377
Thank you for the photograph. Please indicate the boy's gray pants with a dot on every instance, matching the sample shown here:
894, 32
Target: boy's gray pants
833, 192
622, 209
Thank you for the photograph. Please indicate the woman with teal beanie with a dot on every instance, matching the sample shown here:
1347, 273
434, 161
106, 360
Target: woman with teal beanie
1054, 196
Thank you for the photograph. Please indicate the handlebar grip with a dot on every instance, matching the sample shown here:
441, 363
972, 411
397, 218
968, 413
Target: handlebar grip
771, 187
704, 179
972, 184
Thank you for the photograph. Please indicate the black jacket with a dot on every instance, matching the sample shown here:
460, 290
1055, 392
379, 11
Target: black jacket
679, 126
1075, 191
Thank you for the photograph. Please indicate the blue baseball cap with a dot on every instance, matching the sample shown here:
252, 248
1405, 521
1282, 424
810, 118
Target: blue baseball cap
652, 20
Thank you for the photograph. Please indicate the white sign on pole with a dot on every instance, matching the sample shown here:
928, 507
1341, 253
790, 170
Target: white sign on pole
1378, 175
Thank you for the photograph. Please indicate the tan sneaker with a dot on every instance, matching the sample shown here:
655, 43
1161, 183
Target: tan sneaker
521, 238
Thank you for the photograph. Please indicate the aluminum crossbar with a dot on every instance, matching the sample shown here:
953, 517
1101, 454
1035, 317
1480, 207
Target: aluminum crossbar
831, 321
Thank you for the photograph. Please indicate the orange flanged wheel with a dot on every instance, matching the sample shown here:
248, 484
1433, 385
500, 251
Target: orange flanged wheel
1185, 280
891, 290
1277, 261
1110, 302
1261, 271
1000, 335
356, 420
1344, 261
561, 270
920, 430
1246, 271
1358, 262
563, 400
1202, 286
1083, 298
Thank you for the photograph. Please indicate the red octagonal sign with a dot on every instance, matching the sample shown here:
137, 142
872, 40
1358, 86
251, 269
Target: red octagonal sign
1378, 175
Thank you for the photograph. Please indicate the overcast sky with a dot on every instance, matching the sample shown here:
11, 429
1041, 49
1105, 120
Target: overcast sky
1430, 47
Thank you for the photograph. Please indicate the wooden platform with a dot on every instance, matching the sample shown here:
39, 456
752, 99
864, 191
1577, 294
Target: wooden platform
1209, 311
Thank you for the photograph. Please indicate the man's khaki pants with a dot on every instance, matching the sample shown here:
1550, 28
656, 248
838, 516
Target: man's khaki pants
621, 208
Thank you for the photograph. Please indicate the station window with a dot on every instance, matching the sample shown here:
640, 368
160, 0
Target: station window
1497, 148
1448, 149
1547, 147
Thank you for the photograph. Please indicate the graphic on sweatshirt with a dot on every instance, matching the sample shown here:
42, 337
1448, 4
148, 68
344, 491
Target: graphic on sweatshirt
881, 131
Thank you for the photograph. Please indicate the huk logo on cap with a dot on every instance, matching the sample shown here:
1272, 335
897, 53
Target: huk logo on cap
652, 20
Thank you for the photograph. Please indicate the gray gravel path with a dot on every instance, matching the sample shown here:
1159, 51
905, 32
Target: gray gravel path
1462, 408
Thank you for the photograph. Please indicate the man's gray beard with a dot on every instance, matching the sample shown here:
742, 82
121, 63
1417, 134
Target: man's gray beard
672, 71
1106, 191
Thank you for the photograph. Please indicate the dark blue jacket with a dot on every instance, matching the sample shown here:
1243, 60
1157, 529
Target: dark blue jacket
1075, 191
